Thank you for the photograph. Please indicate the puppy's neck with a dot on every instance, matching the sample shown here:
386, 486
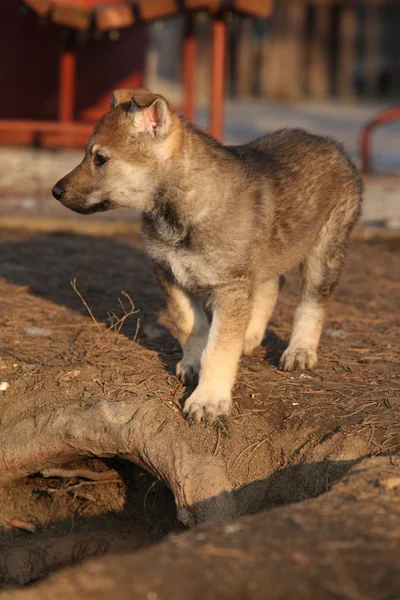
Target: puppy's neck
190, 163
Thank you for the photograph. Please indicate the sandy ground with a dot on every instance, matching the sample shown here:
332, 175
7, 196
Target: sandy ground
291, 435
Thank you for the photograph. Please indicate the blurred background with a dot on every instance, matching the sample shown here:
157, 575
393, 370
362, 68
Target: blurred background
239, 68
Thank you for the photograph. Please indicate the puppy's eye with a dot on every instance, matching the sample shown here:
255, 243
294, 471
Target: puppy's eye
100, 160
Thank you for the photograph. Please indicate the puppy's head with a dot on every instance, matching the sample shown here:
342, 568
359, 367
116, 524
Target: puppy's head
124, 156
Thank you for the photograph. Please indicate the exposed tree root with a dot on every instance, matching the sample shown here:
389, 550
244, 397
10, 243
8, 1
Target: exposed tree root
199, 483
344, 544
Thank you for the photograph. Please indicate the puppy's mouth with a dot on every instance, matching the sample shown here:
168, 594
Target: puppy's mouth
94, 208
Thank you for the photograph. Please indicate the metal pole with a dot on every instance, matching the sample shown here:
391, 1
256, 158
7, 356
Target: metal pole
67, 82
388, 116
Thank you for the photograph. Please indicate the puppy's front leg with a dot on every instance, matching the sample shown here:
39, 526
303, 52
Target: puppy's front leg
219, 362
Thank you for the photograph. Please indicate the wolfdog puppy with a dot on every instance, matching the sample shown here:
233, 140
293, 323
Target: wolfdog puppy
222, 224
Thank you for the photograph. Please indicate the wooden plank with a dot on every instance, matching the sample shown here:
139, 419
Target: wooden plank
114, 17
157, 9
394, 88
65, 139
373, 25
295, 50
344, 2
189, 67
203, 25
210, 5
283, 60
255, 8
318, 74
87, 4
264, 65
354, 3
42, 7
274, 71
10, 126
348, 27
245, 66
292, 50
72, 17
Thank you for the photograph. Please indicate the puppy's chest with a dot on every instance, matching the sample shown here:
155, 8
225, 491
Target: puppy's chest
177, 249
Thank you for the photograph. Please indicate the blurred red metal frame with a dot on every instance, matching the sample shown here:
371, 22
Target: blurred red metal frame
383, 118
67, 132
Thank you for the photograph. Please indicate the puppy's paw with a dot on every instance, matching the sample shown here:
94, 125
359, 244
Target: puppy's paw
298, 358
206, 407
187, 372
251, 342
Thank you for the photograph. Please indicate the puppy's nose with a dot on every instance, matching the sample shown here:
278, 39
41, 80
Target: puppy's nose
57, 191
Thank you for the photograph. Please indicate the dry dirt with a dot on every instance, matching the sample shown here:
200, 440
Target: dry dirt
290, 437
343, 545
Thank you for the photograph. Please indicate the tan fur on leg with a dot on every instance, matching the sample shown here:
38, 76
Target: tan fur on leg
302, 350
264, 300
212, 397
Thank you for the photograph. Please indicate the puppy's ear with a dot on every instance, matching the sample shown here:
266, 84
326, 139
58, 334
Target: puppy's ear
120, 96
150, 113
125, 96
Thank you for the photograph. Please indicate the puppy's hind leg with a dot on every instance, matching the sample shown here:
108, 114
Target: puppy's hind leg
264, 299
308, 322
320, 276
